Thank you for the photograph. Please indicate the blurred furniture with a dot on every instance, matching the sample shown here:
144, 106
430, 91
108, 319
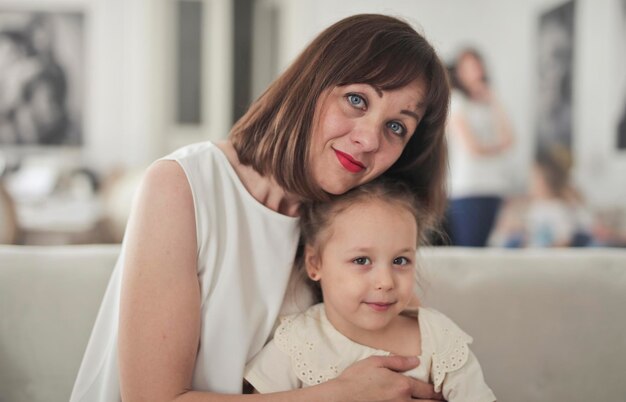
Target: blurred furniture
548, 325
8, 218
117, 194
60, 219
55, 204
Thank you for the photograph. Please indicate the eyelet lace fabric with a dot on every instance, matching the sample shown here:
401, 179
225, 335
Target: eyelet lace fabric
452, 354
318, 351
304, 354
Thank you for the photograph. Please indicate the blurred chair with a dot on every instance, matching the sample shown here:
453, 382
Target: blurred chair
8, 218
118, 191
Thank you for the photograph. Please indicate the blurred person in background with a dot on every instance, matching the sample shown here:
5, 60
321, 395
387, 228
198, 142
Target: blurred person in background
479, 136
556, 215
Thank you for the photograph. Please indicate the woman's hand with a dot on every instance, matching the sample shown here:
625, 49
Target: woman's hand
378, 378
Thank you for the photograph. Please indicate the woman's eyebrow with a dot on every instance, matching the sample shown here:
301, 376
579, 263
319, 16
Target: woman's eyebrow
411, 113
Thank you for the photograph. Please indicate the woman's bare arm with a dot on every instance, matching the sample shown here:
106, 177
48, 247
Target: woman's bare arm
160, 297
504, 128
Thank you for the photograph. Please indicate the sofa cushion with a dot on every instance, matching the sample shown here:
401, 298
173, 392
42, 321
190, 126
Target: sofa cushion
548, 324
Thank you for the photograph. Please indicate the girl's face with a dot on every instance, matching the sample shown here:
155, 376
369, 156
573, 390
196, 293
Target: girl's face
360, 131
366, 266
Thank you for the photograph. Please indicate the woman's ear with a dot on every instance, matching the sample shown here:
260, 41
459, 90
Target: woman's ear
312, 263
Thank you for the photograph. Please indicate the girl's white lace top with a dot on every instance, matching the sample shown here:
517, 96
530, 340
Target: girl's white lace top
307, 350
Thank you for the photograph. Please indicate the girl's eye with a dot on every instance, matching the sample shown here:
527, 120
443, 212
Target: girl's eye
362, 261
356, 101
397, 128
400, 261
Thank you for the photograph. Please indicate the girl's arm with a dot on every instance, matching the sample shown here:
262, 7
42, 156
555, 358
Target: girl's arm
160, 313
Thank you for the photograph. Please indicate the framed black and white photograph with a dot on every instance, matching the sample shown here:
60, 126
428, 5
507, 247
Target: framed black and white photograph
42, 60
555, 71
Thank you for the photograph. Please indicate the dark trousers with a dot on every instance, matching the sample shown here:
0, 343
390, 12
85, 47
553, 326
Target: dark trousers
471, 219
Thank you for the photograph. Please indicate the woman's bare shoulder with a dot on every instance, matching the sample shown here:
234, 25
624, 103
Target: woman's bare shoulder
163, 211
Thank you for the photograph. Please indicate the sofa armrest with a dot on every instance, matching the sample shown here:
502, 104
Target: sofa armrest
49, 298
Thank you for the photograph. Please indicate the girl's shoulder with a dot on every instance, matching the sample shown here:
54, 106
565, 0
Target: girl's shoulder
449, 344
441, 330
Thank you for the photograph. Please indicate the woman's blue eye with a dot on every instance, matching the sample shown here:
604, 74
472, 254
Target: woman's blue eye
356, 100
397, 128
362, 261
400, 261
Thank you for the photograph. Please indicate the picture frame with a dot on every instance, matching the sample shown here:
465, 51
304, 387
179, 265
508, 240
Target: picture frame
42, 70
556, 44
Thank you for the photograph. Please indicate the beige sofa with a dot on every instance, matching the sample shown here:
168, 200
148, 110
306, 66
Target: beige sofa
547, 325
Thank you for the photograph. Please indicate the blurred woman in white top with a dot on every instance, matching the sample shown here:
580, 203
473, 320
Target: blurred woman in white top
479, 135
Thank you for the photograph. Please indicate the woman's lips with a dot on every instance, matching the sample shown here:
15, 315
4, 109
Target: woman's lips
348, 162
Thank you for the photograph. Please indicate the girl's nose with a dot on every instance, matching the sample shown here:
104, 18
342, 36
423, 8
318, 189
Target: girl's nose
383, 279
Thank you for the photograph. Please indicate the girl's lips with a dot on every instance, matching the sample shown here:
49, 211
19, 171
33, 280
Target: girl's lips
348, 162
380, 307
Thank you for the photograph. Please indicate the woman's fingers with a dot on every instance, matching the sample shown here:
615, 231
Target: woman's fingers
396, 363
419, 389
377, 378
424, 391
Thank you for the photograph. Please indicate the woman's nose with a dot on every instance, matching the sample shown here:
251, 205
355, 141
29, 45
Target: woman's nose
367, 136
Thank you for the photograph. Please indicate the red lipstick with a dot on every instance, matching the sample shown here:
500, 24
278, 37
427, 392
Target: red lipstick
348, 162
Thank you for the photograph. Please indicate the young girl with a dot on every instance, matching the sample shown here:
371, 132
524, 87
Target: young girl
360, 253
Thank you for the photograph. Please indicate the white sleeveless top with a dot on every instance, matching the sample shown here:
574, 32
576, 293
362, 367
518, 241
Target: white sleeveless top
470, 174
245, 257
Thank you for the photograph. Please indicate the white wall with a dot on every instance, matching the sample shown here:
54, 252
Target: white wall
129, 69
599, 91
505, 30
132, 91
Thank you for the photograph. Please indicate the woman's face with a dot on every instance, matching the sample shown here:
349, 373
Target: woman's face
359, 131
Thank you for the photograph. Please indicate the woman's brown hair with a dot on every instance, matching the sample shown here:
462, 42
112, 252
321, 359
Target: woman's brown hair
274, 135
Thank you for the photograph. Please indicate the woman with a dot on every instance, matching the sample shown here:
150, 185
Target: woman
479, 135
210, 245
